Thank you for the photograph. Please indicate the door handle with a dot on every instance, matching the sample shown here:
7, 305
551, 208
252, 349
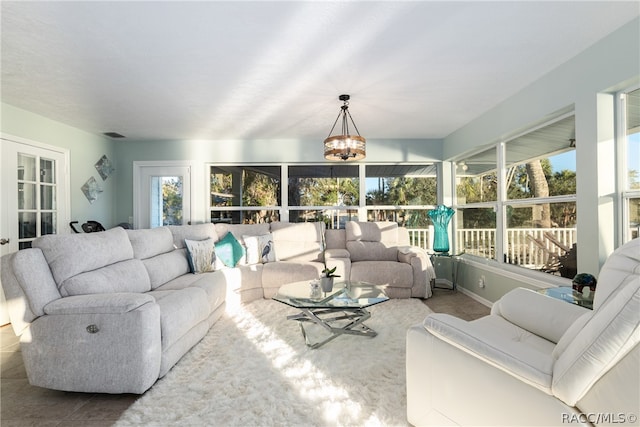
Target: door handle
4, 241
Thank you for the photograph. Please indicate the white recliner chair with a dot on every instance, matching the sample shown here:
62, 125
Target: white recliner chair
534, 360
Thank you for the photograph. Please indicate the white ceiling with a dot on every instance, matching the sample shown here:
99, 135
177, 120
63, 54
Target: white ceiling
213, 70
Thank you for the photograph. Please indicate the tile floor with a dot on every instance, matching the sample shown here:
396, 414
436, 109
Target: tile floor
24, 405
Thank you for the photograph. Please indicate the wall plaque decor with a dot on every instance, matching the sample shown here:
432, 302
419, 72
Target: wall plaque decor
91, 190
104, 167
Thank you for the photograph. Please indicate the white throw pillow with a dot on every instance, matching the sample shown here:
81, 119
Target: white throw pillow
201, 255
260, 249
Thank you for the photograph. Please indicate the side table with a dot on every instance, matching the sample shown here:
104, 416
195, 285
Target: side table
568, 294
446, 267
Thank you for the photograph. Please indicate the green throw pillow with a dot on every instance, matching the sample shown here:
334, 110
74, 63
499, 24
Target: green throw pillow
229, 250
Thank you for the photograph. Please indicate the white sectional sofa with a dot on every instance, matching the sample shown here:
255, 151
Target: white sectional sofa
535, 360
113, 311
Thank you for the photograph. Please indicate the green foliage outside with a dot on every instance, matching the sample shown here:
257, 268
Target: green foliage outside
519, 186
324, 192
403, 191
252, 188
172, 201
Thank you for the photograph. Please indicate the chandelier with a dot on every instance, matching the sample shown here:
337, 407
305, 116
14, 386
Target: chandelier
345, 146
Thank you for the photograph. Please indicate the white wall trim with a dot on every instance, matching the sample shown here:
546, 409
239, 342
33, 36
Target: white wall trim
475, 296
195, 180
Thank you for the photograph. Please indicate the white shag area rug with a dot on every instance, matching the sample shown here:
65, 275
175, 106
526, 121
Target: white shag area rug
254, 369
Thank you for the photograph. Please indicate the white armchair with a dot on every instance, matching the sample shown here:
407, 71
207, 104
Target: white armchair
381, 253
534, 360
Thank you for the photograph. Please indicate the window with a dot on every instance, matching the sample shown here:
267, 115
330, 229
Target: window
333, 193
477, 179
400, 193
542, 163
166, 200
630, 125
476, 231
549, 249
476, 195
324, 193
537, 205
244, 194
540, 175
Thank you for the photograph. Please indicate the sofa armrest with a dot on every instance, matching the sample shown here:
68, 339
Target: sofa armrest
115, 303
99, 343
336, 253
405, 253
539, 314
423, 271
532, 367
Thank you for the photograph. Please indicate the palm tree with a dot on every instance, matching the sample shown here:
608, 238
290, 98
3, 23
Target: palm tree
539, 188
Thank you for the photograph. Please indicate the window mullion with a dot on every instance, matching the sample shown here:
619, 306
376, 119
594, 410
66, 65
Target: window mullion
362, 207
501, 219
284, 192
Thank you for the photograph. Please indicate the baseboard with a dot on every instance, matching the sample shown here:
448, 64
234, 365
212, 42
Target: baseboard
474, 296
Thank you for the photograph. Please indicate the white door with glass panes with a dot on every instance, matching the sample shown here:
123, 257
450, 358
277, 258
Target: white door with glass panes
35, 188
161, 194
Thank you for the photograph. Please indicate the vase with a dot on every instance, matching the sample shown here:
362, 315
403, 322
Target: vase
327, 284
440, 217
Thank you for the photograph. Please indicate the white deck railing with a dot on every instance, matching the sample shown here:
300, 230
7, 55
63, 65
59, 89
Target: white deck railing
531, 247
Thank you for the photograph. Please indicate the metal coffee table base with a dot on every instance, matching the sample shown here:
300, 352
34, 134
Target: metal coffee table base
325, 317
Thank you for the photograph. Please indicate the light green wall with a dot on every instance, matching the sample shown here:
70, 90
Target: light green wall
85, 149
252, 151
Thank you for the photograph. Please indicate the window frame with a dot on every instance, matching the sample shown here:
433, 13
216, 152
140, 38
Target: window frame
284, 209
238, 208
502, 203
625, 194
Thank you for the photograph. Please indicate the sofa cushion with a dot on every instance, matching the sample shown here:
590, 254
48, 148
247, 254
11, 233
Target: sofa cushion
335, 238
124, 276
34, 278
214, 284
150, 242
72, 254
229, 250
277, 274
372, 241
497, 342
522, 307
201, 255
607, 336
389, 273
180, 311
192, 232
622, 266
298, 241
165, 267
260, 249
571, 333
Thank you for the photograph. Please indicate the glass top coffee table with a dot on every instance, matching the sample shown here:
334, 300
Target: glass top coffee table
341, 311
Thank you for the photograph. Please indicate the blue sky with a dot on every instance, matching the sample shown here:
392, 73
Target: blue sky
564, 161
